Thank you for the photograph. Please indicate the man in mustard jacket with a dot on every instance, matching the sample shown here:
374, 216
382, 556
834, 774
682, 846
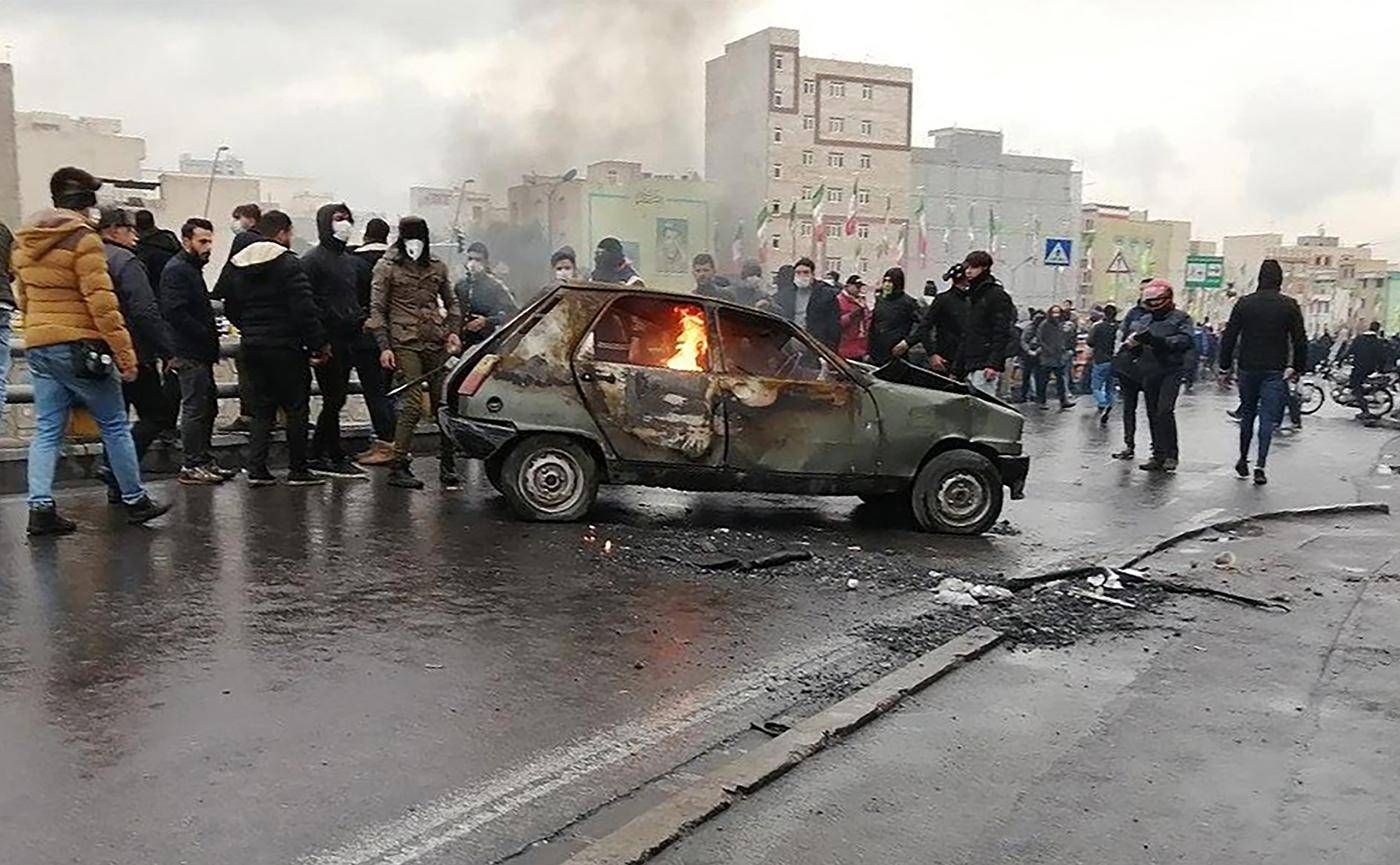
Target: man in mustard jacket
76, 344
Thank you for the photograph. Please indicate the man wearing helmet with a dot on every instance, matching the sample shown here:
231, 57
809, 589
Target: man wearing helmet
1159, 341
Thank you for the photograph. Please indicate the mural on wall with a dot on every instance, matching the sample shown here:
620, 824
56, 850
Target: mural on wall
672, 245
633, 250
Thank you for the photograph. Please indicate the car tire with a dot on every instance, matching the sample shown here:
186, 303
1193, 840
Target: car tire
550, 478
957, 492
493, 466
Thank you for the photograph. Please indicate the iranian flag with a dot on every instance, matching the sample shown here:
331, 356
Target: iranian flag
923, 234
901, 246
792, 226
850, 226
761, 228
818, 214
884, 248
736, 248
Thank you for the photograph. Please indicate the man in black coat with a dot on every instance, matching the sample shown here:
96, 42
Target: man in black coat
810, 303
365, 352
244, 224
944, 325
185, 304
1158, 341
154, 246
1369, 355
268, 298
987, 324
486, 302
894, 323
335, 288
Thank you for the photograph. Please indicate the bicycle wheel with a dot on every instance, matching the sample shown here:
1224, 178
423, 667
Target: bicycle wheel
1311, 397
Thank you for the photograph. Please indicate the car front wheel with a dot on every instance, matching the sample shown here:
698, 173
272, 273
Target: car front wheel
550, 478
957, 492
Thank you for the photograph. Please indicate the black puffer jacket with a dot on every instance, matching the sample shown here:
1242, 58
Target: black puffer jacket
944, 325
365, 257
155, 251
1163, 340
184, 301
334, 282
150, 335
896, 317
241, 241
990, 317
268, 298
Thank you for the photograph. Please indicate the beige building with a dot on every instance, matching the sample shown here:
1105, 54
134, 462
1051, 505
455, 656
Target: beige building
1120, 247
781, 127
1338, 286
47, 141
10, 212
663, 220
444, 207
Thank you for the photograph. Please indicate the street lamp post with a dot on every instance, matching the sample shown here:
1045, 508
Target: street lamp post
213, 167
549, 204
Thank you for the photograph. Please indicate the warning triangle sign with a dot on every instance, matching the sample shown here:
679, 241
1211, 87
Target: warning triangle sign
1119, 264
1057, 256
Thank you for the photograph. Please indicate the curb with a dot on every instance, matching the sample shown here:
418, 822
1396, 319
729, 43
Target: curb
647, 834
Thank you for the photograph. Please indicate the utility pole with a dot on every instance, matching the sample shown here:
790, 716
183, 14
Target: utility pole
213, 167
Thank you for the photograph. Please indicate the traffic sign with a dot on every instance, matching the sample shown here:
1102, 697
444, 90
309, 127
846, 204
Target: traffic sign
1205, 271
1119, 264
1057, 250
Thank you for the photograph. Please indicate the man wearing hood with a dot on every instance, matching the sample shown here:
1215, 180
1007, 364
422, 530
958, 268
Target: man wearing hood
77, 346
1268, 338
611, 265
154, 246
894, 322
1160, 340
331, 270
988, 322
485, 301
268, 298
365, 353
810, 303
410, 293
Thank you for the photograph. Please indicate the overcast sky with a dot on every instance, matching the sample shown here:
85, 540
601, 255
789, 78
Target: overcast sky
1239, 115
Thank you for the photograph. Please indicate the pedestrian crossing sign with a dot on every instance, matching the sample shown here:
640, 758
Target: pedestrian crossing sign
1057, 251
1119, 264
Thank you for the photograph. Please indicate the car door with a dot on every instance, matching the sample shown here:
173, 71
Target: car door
644, 372
789, 406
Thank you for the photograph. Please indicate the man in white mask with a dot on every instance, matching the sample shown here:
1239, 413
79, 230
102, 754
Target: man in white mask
565, 264
486, 302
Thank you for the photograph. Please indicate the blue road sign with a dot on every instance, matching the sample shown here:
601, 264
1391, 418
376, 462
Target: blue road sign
1057, 250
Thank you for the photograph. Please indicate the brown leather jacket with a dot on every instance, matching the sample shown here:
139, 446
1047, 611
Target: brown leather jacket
412, 306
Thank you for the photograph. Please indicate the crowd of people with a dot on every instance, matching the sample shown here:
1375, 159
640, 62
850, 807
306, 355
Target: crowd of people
118, 315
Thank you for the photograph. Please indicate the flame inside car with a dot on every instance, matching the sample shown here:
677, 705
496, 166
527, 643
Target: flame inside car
692, 341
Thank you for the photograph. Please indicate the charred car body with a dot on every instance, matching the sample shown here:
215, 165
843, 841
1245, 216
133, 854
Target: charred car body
599, 383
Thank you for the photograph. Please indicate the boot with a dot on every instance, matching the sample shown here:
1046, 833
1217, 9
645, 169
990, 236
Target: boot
400, 475
143, 510
377, 454
46, 521
447, 464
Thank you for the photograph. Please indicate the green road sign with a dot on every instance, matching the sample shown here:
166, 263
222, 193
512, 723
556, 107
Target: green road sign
1205, 271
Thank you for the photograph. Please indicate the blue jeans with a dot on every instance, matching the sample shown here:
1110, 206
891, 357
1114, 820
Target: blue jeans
57, 389
1263, 394
4, 360
1101, 381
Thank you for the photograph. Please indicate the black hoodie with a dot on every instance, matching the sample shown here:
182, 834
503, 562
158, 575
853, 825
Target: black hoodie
268, 298
1267, 326
155, 250
334, 282
896, 317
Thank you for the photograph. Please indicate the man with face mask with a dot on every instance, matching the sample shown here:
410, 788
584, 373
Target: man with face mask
374, 385
410, 292
71, 314
565, 265
810, 304
751, 291
1161, 339
611, 265
331, 270
485, 301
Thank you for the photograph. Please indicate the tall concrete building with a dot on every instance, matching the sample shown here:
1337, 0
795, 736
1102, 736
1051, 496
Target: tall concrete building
781, 127
974, 195
1120, 247
10, 212
1338, 286
47, 141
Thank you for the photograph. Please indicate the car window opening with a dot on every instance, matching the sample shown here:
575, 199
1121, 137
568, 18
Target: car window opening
649, 332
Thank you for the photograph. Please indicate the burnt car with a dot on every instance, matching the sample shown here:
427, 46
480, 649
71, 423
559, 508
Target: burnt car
607, 384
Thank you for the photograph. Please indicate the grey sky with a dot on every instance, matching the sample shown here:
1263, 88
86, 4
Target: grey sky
1239, 115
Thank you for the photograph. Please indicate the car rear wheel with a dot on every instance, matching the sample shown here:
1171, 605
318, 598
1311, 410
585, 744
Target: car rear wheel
550, 478
957, 492
493, 467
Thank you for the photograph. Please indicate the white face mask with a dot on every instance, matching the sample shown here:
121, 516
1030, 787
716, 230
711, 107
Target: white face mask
475, 266
237, 226
802, 281
564, 274
414, 248
341, 229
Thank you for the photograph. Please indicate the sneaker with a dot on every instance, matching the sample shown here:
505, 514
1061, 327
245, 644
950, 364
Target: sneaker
227, 474
402, 476
341, 468
1153, 465
379, 454
1042, 406
304, 478
1259, 477
1126, 454
200, 476
1169, 464
237, 426
449, 480
1104, 414
143, 510
1066, 405
114, 491
261, 478
46, 521
1242, 468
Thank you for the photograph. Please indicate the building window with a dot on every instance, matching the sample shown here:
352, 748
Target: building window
833, 264
806, 229
808, 122
776, 241
835, 88
612, 176
806, 192
809, 87
836, 159
863, 231
865, 265
836, 124
862, 196
777, 171
777, 98
777, 61
836, 194
865, 160
866, 127
809, 158
775, 207
867, 91
777, 135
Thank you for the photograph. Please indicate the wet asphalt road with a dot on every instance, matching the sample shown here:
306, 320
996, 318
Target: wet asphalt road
355, 674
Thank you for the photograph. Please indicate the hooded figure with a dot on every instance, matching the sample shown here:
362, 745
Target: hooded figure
154, 246
894, 324
611, 265
485, 301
